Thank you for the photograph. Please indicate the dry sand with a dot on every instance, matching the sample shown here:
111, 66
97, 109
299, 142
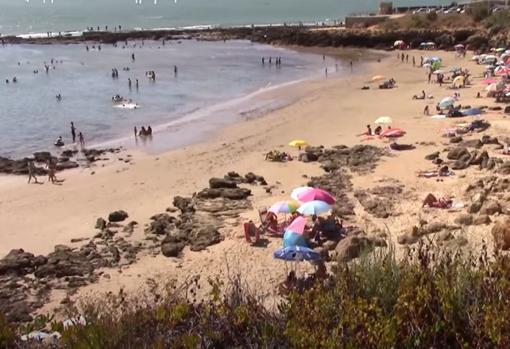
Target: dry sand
332, 111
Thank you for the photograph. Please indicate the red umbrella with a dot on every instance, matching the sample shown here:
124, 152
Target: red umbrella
393, 132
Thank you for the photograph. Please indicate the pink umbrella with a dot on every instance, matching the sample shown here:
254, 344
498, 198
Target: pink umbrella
489, 81
316, 194
503, 71
393, 132
297, 226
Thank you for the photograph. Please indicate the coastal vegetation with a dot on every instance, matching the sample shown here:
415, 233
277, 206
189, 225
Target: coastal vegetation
431, 298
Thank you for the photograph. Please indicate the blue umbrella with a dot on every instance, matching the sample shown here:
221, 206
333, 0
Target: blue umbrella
291, 239
297, 253
472, 112
315, 207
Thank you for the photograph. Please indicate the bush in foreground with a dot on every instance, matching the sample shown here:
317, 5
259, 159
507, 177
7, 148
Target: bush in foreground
431, 299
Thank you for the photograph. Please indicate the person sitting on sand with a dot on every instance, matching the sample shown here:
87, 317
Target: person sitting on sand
433, 202
369, 131
59, 142
426, 110
378, 130
271, 224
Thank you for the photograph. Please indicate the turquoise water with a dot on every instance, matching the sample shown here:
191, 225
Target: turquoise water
20, 16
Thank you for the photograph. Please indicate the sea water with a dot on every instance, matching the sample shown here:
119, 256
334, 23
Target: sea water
41, 16
216, 84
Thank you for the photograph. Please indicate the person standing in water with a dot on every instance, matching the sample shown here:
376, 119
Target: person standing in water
129, 83
133, 57
31, 172
175, 70
351, 67
136, 132
73, 132
136, 84
82, 140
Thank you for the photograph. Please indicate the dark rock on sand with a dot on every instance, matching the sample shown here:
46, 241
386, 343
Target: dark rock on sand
456, 139
204, 237
100, 223
501, 234
216, 183
432, 156
118, 216
162, 224
504, 169
353, 246
183, 204
482, 219
490, 207
227, 193
464, 219
67, 165
457, 153
472, 143
64, 262
19, 262
43, 156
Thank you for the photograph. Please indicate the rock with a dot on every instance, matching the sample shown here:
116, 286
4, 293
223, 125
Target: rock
378, 207
486, 139
43, 156
204, 238
445, 236
183, 204
482, 220
353, 246
130, 227
227, 193
330, 245
464, 219
490, 207
472, 143
100, 223
504, 168
18, 262
117, 216
64, 262
456, 139
457, 153
250, 177
438, 161
162, 224
66, 165
217, 183
432, 228
501, 234
172, 249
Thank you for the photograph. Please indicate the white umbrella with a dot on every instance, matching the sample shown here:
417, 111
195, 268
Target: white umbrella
297, 191
384, 120
446, 102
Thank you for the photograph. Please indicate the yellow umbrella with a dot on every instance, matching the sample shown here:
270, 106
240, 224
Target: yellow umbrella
378, 78
459, 80
298, 143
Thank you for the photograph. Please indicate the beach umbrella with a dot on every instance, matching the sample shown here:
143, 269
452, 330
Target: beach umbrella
398, 43
502, 71
383, 120
295, 192
297, 226
472, 112
291, 239
494, 88
284, 207
378, 78
315, 207
489, 81
297, 254
298, 143
393, 133
313, 194
446, 102
459, 80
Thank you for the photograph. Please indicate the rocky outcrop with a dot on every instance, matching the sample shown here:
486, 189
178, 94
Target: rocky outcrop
355, 245
118, 216
501, 234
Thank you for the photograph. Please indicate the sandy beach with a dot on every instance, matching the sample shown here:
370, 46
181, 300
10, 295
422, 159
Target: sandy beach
331, 112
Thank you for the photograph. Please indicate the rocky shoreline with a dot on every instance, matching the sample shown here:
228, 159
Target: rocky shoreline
283, 35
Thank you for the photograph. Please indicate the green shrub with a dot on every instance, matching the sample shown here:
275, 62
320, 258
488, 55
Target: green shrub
432, 16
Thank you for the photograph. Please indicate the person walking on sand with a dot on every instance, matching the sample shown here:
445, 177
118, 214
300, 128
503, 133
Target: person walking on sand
133, 57
351, 66
136, 132
414, 62
73, 132
82, 140
326, 71
31, 172
51, 172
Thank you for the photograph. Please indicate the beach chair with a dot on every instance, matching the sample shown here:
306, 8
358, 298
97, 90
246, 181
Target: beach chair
250, 229
267, 228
